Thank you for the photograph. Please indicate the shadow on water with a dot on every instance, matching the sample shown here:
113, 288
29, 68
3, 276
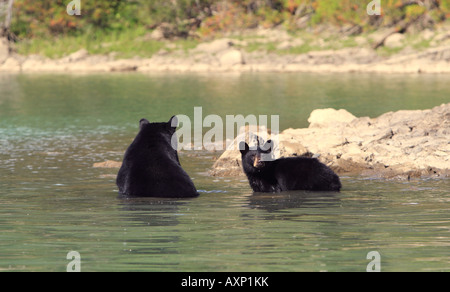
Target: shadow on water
292, 199
274, 204
151, 211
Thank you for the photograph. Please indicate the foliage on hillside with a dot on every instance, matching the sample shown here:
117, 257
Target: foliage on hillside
201, 18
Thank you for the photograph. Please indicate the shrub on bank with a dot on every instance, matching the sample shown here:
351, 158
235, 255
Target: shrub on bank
208, 17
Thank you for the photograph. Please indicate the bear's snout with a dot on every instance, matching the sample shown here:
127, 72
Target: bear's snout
257, 162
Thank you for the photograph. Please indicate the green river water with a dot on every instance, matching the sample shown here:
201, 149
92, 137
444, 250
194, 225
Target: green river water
53, 128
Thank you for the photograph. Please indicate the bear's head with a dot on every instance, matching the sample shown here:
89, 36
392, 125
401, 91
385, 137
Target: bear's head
157, 134
253, 160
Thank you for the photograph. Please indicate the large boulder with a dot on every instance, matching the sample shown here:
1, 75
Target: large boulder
327, 117
231, 57
399, 144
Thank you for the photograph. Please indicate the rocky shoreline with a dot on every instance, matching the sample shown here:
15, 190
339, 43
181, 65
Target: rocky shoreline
396, 145
232, 54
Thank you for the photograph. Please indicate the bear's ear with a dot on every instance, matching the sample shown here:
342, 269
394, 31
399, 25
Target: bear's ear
243, 147
173, 122
267, 147
143, 122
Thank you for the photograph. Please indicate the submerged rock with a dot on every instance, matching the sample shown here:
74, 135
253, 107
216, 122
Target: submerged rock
402, 144
108, 164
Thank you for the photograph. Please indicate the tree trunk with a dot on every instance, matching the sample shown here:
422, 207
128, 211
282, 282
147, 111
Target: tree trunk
7, 23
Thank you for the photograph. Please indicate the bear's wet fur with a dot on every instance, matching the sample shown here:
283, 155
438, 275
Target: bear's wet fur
151, 167
286, 174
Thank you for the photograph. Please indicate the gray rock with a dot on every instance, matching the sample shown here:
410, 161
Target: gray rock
326, 117
231, 57
214, 47
400, 144
395, 40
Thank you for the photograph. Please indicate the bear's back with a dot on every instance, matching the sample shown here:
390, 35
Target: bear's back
151, 167
159, 178
303, 173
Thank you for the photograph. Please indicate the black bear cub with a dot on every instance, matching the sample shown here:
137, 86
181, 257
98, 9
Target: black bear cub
151, 167
286, 174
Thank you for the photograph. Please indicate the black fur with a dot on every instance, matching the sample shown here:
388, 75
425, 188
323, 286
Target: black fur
151, 167
284, 174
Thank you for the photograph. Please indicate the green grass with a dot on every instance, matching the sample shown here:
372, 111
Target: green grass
310, 44
415, 42
125, 44
185, 44
298, 50
136, 42
420, 44
388, 52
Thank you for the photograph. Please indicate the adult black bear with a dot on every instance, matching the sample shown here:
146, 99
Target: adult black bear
284, 174
151, 167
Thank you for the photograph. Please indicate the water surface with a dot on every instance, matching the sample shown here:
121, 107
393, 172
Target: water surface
52, 201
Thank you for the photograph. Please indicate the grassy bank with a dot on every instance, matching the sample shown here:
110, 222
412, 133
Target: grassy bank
124, 27
123, 44
137, 42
